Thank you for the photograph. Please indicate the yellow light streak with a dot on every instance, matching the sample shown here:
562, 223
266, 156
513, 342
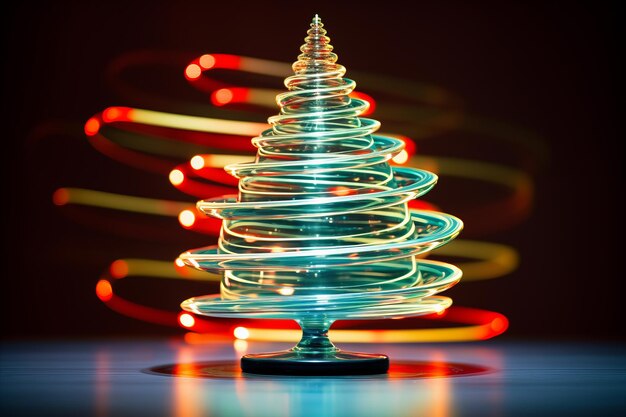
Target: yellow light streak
241, 333
262, 97
165, 270
484, 171
452, 334
265, 67
122, 202
495, 260
219, 160
200, 124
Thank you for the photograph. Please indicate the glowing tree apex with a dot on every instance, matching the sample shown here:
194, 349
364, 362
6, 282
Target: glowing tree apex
317, 52
321, 230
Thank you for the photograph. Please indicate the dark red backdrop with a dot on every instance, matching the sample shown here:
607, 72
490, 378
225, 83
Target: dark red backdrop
550, 68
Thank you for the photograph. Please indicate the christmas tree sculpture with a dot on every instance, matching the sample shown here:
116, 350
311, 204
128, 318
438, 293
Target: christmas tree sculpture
321, 230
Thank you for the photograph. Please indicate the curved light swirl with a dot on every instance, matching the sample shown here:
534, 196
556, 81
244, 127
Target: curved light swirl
321, 226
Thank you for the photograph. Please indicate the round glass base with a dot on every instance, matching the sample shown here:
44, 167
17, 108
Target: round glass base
291, 362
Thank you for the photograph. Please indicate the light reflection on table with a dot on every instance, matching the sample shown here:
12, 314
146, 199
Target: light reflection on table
110, 379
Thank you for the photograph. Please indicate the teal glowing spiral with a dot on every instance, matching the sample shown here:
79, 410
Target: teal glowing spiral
321, 229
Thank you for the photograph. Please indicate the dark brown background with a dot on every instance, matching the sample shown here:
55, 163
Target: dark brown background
551, 68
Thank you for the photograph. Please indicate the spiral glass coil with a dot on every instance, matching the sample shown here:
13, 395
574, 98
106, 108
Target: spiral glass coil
320, 229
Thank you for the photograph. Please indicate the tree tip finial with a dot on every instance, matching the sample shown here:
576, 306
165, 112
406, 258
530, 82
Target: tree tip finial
316, 20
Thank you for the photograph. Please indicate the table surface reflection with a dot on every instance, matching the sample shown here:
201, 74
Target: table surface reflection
110, 378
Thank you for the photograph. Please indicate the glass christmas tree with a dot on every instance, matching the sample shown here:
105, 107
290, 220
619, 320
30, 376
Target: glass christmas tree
320, 229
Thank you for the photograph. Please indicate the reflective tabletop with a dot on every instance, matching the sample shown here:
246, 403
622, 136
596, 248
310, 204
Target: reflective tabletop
174, 378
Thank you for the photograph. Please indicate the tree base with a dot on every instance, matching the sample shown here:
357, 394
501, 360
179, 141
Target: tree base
290, 362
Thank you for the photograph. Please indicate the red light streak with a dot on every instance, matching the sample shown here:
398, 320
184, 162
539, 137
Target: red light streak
191, 220
218, 175
187, 218
205, 189
197, 162
207, 225
401, 158
422, 205
241, 333
230, 95
474, 324
176, 177
226, 61
92, 126
193, 71
207, 61
223, 141
202, 190
186, 320
140, 312
341, 191
195, 68
60, 197
365, 97
129, 157
499, 325
117, 114
409, 144
144, 161
110, 115
118, 269
104, 290
491, 323
222, 96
